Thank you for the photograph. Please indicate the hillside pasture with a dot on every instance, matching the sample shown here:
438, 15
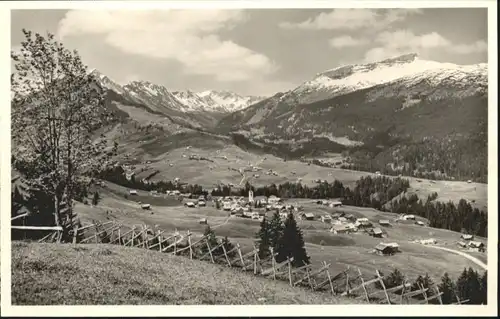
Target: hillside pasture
342, 250
53, 274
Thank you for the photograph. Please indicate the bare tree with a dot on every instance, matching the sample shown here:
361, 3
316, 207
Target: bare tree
57, 105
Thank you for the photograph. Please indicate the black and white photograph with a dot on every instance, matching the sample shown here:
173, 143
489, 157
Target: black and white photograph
256, 156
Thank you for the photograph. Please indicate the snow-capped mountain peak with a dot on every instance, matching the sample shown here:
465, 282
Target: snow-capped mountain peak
227, 101
183, 101
349, 78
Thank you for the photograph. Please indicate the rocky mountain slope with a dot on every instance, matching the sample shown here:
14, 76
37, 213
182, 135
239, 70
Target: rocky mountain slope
377, 107
198, 110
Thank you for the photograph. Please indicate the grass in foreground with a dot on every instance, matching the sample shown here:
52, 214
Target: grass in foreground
52, 274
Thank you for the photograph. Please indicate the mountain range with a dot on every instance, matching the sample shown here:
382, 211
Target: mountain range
403, 113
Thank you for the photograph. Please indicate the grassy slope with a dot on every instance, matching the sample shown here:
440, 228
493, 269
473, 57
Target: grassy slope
341, 250
44, 274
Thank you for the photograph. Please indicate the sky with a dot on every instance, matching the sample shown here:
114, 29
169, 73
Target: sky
254, 51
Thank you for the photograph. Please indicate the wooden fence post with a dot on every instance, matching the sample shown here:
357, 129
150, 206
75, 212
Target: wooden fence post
175, 242
241, 256
75, 234
119, 236
383, 286
96, 231
160, 238
329, 278
273, 261
403, 291
255, 263
309, 279
210, 250
436, 287
189, 244
289, 271
225, 255
423, 292
133, 236
363, 284
347, 283
145, 236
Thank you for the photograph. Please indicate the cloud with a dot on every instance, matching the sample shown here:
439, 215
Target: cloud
398, 42
345, 41
476, 47
187, 36
352, 19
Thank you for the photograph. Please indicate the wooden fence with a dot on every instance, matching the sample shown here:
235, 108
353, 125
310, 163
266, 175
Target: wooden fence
350, 282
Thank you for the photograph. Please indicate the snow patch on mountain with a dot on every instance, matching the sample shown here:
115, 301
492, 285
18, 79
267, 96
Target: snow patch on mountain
228, 101
355, 77
182, 101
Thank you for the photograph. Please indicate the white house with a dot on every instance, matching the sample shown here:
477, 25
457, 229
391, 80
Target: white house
273, 200
146, 206
384, 222
430, 241
132, 192
203, 221
335, 204
477, 246
462, 244
326, 219
340, 229
308, 216
408, 217
467, 237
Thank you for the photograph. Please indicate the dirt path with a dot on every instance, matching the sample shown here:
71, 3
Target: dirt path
461, 253
223, 223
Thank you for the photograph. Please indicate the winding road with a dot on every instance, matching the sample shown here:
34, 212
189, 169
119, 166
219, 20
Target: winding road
461, 253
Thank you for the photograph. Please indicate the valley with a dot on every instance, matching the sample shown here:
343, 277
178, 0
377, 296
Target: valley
424, 124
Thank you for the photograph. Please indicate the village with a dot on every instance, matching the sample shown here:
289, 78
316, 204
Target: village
330, 216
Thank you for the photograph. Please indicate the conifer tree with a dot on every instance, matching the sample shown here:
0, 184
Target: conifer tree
275, 230
264, 237
447, 287
484, 288
291, 244
462, 286
473, 287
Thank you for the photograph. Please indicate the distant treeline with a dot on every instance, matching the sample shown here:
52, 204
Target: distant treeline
459, 218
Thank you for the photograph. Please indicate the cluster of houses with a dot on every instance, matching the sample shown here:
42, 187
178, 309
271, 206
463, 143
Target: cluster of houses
271, 172
240, 206
346, 224
429, 241
200, 202
329, 203
469, 242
